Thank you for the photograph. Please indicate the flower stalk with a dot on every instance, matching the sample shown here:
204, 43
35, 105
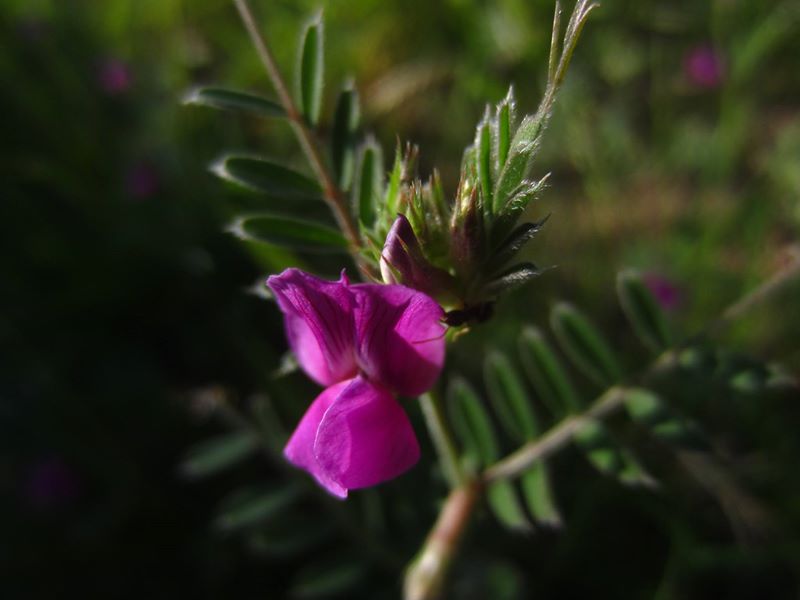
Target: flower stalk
426, 576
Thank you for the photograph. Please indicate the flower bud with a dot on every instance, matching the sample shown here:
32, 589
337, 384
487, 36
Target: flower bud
402, 261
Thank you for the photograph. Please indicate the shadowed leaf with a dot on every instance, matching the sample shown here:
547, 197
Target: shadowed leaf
217, 454
509, 398
247, 507
583, 344
546, 373
642, 311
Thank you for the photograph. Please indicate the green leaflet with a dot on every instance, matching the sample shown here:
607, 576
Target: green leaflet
368, 187
483, 156
583, 344
296, 234
539, 497
328, 578
642, 311
472, 424
509, 398
505, 505
249, 506
267, 177
225, 99
219, 453
646, 408
476, 432
523, 145
512, 278
546, 373
310, 76
345, 124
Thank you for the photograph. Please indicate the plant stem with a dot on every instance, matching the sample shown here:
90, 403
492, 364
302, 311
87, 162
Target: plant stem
331, 192
445, 447
763, 292
425, 577
556, 438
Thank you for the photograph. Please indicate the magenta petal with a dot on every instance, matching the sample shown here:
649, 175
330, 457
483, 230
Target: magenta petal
300, 449
365, 437
318, 316
400, 337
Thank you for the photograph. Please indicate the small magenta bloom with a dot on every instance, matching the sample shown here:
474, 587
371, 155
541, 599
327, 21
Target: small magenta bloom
704, 67
366, 343
114, 76
51, 483
666, 293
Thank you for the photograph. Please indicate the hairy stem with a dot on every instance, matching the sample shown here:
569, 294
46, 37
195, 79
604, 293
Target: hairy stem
556, 438
442, 439
331, 192
425, 576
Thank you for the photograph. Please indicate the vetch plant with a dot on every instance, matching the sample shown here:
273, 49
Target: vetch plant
434, 266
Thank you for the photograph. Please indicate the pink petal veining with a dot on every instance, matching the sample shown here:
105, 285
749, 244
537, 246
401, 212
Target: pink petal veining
365, 437
319, 323
400, 337
300, 449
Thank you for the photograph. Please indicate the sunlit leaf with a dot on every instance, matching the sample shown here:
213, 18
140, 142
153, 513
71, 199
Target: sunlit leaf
311, 71
483, 156
216, 454
523, 145
234, 100
504, 121
583, 344
642, 311
296, 234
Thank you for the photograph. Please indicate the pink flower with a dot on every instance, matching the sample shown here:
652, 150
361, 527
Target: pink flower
666, 293
114, 76
703, 67
366, 343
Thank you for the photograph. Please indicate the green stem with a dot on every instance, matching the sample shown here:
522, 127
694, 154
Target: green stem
445, 446
426, 576
555, 439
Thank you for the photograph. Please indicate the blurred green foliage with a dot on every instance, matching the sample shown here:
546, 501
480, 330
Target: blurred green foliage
123, 296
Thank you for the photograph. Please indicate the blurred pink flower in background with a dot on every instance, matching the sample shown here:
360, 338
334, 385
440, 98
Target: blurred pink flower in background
114, 76
141, 180
703, 67
366, 343
667, 294
51, 483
